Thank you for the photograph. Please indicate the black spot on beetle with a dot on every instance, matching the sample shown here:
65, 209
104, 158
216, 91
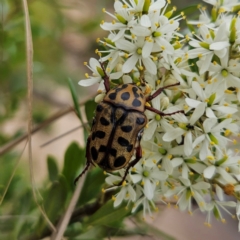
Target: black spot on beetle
94, 153
93, 136
122, 118
124, 86
99, 108
136, 103
102, 148
104, 121
119, 161
100, 134
126, 128
113, 152
140, 121
135, 90
112, 96
125, 96
141, 95
123, 142
129, 148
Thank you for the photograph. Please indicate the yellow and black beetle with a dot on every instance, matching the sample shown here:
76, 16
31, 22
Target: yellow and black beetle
118, 127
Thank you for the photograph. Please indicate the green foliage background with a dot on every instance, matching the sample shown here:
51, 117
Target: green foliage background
57, 37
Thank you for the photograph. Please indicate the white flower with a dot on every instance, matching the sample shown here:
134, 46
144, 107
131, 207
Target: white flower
137, 52
186, 192
208, 46
148, 177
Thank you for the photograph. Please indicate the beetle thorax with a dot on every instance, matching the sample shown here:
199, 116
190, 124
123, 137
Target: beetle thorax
128, 96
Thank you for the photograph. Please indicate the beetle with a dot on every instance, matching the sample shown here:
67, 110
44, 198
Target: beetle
118, 127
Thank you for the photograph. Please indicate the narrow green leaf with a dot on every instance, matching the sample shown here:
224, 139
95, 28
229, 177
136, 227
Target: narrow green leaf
75, 99
187, 10
158, 233
107, 214
74, 159
52, 168
93, 233
54, 203
92, 186
216, 213
90, 107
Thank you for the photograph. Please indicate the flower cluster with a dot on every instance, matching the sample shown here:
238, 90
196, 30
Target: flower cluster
186, 156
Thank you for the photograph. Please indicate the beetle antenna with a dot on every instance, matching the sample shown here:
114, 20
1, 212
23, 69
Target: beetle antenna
84, 170
105, 78
149, 98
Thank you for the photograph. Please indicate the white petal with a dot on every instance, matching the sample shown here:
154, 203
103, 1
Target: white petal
145, 21
90, 81
201, 186
219, 45
136, 178
147, 49
198, 112
192, 102
157, 5
188, 143
129, 65
119, 197
171, 135
150, 65
177, 162
148, 189
185, 181
209, 172
219, 193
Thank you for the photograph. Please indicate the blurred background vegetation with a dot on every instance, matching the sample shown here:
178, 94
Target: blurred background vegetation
64, 34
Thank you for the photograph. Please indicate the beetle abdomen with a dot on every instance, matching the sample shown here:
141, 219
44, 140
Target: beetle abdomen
114, 135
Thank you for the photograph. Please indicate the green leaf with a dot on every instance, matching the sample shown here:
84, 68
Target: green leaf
92, 234
75, 99
216, 213
90, 107
108, 215
54, 203
74, 159
52, 168
92, 186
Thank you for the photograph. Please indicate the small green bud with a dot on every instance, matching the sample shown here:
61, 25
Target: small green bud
145, 173
121, 19
221, 161
139, 51
183, 126
146, 6
162, 151
100, 71
157, 117
204, 45
211, 99
213, 138
233, 31
224, 72
214, 14
156, 34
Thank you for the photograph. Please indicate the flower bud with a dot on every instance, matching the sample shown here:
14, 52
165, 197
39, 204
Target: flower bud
99, 97
164, 102
214, 14
233, 31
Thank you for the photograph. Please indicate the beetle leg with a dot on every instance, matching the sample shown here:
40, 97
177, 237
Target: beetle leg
132, 163
105, 78
162, 113
149, 98
89, 162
